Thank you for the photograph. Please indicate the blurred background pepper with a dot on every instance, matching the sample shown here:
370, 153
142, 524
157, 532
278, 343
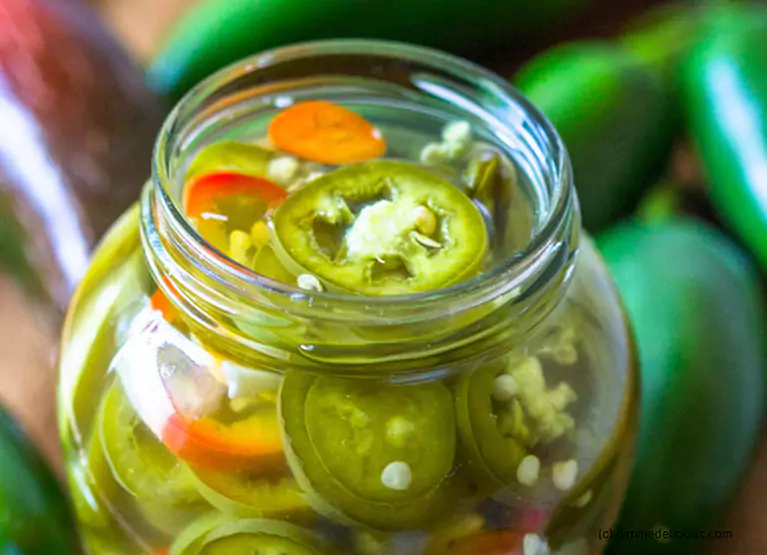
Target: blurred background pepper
725, 100
78, 129
35, 518
613, 115
77, 126
698, 315
198, 46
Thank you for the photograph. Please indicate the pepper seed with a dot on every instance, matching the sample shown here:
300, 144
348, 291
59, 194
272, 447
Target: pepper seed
457, 132
528, 470
564, 474
309, 282
425, 220
282, 169
426, 241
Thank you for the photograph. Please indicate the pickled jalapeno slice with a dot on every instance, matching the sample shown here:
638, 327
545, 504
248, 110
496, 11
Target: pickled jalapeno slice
494, 453
224, 202
214, 535
139, 461
248, 494
325, 132
381, 228
363, 432
483, 177
231, 156
505, 410
252, 442
370, 453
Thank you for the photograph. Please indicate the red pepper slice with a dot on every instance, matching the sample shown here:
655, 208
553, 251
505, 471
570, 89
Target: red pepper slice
202, 192
254, 443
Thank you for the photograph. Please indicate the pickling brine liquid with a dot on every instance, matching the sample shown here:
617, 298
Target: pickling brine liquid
188, 434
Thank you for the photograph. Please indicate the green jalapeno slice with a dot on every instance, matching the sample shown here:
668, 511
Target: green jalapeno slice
381, 228
215, 535
234, 156
493, 433
370, 453
141, 464
248, 494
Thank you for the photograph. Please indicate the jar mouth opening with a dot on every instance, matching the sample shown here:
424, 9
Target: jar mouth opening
508, 108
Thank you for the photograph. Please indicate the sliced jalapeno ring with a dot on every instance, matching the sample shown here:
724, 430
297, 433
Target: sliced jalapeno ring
482, 177
252, 442
216, 535
245, 494
381, 228
190, 540
244, 158
121, 477
326, 132
221, 203
139, 461
493, 454
367, 453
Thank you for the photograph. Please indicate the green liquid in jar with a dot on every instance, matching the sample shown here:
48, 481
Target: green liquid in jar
190, 449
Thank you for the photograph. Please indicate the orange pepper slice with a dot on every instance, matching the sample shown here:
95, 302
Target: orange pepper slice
201, 192
160, 302
327, 133
254, 443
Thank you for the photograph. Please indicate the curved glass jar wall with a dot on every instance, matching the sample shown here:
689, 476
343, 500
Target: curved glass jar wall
242, 413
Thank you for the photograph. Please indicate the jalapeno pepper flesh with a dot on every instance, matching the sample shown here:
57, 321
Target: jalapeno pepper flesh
248, 494
360, 228
358, 429
231, 156
252, 442
343, 437
492, 454
222, 202
214, 535
139, 461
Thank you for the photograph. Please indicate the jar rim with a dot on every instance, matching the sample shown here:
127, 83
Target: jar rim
508, 275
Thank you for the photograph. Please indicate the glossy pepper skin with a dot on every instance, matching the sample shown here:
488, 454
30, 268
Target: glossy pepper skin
695, 303
77, 127
612, 113
217, 33
662, 36
725, 95
34, 514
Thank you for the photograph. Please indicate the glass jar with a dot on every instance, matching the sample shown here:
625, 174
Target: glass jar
243, 413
